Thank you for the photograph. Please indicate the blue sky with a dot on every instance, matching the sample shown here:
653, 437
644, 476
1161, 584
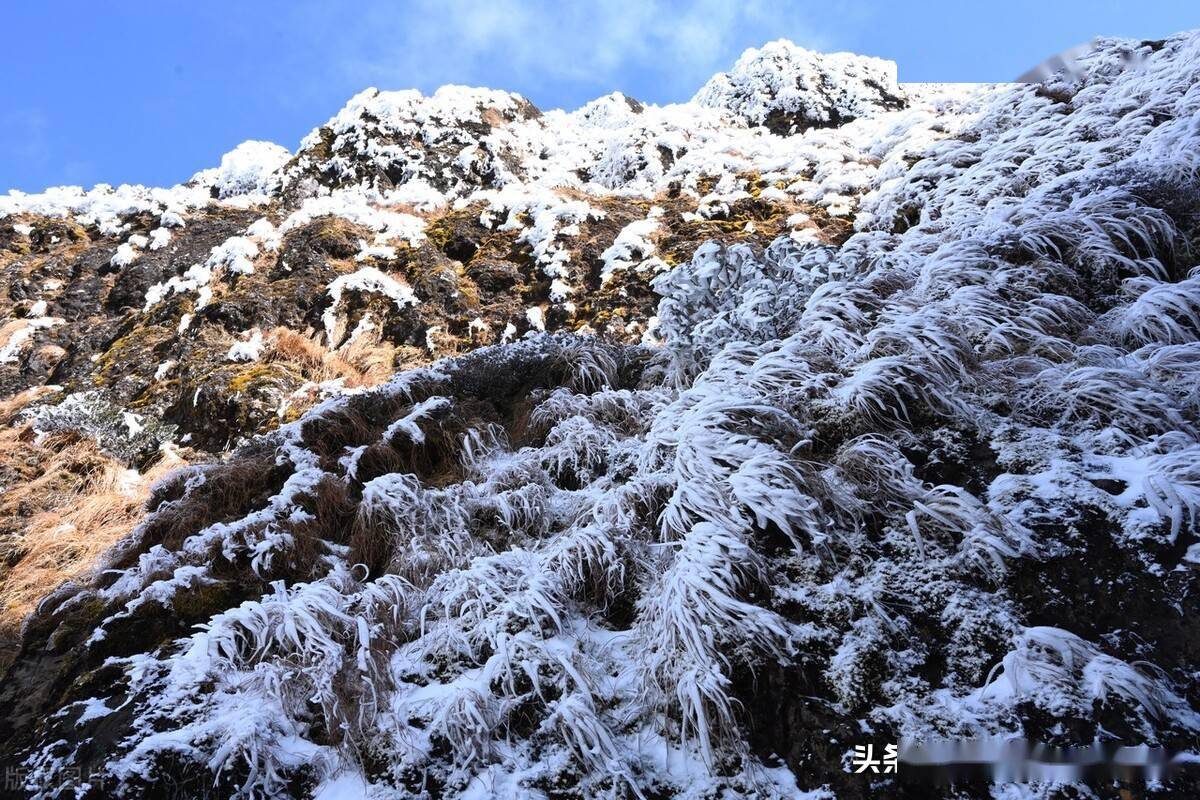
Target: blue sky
150, 92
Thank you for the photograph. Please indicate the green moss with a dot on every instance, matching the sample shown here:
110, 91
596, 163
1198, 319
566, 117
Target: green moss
128, 352
258, 374
201, 602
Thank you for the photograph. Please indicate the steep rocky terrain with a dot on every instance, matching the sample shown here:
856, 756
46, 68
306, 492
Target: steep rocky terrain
407, 228
473, 450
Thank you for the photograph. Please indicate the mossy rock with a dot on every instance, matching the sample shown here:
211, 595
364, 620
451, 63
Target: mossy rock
445, 283
142, 347
259, 376
233, 401
50, 234
334, 236
199, 603
459, 233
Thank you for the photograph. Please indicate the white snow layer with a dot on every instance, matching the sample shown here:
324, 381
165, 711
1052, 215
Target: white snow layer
248, 169
810, 89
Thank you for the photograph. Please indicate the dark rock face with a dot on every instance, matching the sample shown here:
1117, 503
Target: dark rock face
471, 282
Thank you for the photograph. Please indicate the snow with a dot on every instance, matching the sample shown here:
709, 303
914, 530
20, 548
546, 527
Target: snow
367, 252
265, 234
126, 254
159, 238
19, 332
93, 709
553, 221
103, 205
133, 423
194, 279
408, 423
248, 169
381, 131
809, 88
236, 254
346, 785
366, 279
362, 207
632, 248
249, 349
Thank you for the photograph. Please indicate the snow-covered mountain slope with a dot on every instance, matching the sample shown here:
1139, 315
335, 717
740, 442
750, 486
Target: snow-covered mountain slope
167, 324
500, 220
889, 429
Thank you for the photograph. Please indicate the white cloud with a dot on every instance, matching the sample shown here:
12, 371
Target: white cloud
595, 46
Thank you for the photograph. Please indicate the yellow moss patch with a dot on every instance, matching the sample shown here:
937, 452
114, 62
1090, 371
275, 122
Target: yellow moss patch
258, 375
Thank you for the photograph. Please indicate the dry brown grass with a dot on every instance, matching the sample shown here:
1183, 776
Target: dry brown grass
363, 361
12, 406
63, 503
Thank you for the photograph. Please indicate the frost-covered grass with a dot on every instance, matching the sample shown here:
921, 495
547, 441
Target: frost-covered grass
559, 564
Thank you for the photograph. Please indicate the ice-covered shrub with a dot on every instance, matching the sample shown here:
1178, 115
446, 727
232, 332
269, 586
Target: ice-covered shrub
789, 88
128, 436
248, 169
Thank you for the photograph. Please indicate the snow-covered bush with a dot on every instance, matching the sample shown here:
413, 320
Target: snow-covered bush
789, 88
248, 169
128, 436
